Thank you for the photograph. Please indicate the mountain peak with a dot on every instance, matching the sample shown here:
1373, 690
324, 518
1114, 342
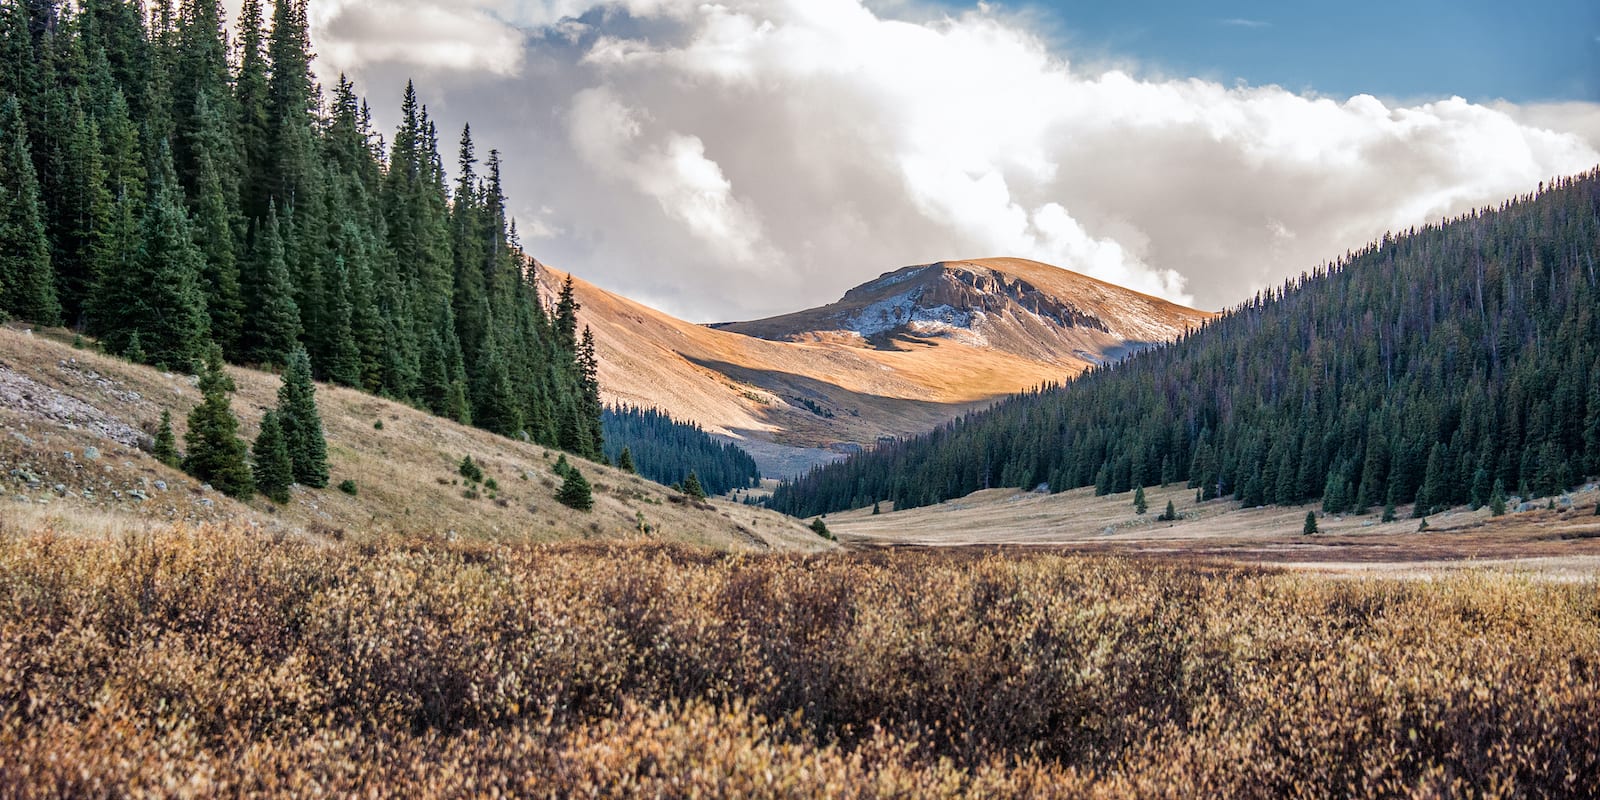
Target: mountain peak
1019, 306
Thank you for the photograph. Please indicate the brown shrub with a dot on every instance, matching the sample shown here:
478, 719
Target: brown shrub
207, 661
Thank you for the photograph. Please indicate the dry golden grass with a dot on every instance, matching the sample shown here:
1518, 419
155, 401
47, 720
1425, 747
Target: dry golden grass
405, 473
205, 661
1552, 542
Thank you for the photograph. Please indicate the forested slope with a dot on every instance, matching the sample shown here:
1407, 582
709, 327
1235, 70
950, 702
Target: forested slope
1432, 366
666, 450
162, 190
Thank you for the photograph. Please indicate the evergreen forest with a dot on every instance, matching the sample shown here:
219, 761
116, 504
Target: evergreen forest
1452, 364
667, 451
165, 185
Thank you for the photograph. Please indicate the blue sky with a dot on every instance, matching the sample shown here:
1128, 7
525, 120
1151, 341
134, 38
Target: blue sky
1534, 51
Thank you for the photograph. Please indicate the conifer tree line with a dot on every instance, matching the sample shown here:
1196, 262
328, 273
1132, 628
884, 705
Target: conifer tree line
164, 186
667, 451
1454, 364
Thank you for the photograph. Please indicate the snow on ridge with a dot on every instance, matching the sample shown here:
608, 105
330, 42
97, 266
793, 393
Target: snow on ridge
884, 315
890, 278
902, 310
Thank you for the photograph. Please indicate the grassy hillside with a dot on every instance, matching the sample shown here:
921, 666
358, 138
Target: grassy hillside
57, 402
215, 662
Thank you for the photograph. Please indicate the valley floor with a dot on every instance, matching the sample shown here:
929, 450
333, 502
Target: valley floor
1560, 543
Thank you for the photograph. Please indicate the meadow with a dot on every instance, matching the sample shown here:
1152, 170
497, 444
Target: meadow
221, 661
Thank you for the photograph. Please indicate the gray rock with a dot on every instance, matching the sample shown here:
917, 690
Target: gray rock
161, 486
91, 453
60, 489
67, 454
138, 495
1523, 508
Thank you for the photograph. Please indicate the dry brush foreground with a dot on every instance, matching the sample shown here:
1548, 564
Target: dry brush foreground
208, 661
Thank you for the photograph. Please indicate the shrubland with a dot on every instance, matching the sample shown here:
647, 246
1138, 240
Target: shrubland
219, 661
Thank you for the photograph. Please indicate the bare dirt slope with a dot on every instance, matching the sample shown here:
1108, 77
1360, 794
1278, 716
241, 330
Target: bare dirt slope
895, 357
73, 425
1566, 540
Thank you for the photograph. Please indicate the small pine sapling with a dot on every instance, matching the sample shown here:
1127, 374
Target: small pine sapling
575, 492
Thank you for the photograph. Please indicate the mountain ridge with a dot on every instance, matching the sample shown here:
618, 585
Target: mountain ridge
799, 389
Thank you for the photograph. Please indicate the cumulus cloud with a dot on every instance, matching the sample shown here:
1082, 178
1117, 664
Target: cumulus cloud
749, 157
352, 34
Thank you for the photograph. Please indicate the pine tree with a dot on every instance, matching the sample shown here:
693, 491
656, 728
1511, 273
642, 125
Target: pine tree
1497, 499
820, 528
271, 319
216, 454
575, 492
1480, 488
273, 471
1310, 527
165, 448
302, 424
157, 293
625, 461
562, 466
692, 487
1171, 514
214, 229
27, 285
589, 406
1140, 506
876, 509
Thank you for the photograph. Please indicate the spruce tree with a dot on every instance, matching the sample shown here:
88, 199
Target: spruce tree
1310, 528
1497, 499
157, 293
271, 325
215, 453
274, 472
625, 461
820, 528
214, 228
692, 487
1140, 506
302, 424
1171, 514
575, 492
27, 285
165, 448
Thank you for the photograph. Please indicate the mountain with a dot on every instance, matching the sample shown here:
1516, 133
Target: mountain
75, 429
894, 357
1444, 366
1024, 308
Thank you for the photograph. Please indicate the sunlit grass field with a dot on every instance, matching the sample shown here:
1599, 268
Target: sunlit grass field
215, 661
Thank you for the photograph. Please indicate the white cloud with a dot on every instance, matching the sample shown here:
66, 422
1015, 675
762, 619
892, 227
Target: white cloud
749, 157
352, 34
674, 170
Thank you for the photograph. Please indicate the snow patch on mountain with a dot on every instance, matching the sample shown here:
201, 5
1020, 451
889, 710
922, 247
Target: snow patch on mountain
902, 311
